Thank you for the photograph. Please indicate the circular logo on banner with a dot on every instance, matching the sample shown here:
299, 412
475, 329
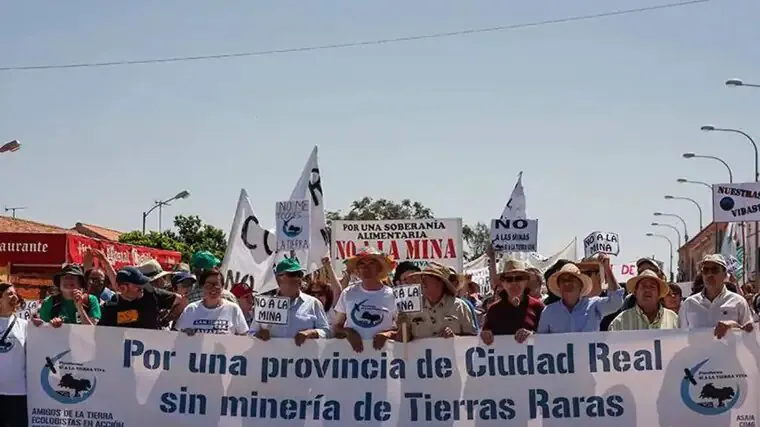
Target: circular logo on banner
6, 345
67, 382
711, 391
727, 203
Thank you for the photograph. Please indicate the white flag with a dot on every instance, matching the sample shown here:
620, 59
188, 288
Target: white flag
515, 208
309, 186
730, 250
251, 249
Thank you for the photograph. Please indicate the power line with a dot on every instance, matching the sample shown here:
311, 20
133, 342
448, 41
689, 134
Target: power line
357, 43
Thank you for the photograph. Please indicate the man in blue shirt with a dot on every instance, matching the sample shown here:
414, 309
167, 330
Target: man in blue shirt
306, 317
576, 311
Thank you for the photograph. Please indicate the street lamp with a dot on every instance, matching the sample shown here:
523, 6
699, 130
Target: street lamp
673, 227
10, 147
698, 156
738, 82
184, 194
711, 128
669, 197
688, 181
670, 243
683, 221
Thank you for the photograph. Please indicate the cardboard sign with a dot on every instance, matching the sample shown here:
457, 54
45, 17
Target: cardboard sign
408, 298
271, 310
292, 217
736, 202
28, 308
601, 242
514, 235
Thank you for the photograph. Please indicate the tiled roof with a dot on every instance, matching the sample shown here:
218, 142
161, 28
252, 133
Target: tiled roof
16, 225
98, 232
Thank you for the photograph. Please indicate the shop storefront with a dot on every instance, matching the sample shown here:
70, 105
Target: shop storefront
33, 258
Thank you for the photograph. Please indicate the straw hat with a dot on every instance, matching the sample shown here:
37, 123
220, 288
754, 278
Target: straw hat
631, 284
385, 261
511, 266
440, 272
574, 271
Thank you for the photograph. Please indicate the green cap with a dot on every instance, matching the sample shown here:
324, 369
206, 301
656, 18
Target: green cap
288, 265
204, 260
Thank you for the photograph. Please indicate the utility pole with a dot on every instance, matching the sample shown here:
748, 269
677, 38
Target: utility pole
14, 209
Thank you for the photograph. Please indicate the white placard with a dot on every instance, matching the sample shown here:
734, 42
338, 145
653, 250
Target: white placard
408, 298
292, 217
417, 240
28, 308
514, 235
271, 310
736, 202
601, 242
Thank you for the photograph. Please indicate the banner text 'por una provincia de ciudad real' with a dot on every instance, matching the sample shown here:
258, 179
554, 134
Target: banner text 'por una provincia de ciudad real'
211, 379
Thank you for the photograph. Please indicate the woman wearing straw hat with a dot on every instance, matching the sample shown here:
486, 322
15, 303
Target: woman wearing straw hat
576, 311
367, 310
516, 312
443, 314
648, 313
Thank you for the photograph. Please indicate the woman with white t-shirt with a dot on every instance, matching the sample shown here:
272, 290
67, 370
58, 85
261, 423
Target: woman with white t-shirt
12, 360
367, 310
213, 314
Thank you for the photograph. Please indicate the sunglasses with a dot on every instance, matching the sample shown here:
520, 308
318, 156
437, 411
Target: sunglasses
513, 279
293, 274
711, 270
590, 272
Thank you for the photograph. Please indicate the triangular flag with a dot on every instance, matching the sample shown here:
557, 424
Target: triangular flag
309, 186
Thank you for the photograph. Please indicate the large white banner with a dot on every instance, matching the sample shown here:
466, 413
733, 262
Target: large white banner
141, 378
736, 202
418, 240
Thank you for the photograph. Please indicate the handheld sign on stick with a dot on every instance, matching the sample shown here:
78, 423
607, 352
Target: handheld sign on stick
292, 217
271, 310
408, 300
514, 235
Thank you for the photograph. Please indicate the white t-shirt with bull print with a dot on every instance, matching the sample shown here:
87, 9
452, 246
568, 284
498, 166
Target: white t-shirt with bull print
13, 357
367, 312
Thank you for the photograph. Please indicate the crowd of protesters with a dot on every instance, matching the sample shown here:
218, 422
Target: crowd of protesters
569, 297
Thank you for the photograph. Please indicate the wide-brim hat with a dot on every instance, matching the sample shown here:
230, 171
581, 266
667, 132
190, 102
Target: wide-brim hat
631, 284
572, 270
512, 266
439, 272
153, 269
69, 270
385, 261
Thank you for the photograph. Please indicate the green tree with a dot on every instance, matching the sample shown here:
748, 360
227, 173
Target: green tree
192, 235
477, 238
368, 209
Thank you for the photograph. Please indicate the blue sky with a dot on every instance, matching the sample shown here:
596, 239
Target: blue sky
596, 113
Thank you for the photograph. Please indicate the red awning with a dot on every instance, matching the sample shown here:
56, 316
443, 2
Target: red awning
60, 248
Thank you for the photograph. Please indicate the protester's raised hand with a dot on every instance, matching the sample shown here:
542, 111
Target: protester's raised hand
80, 297
749, 327
56, 322
263, 334
603, 259
490, 252
325, 261
487, 336
522, 334
355, 340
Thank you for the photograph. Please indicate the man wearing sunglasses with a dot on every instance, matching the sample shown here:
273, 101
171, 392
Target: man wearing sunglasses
715, 306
